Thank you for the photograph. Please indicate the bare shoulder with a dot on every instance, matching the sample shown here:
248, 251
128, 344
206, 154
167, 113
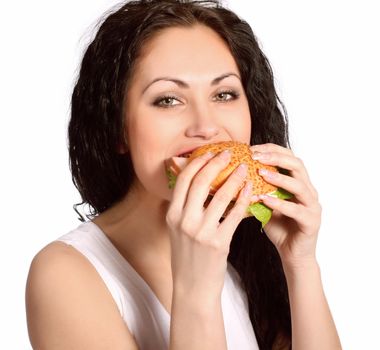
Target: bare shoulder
68, 305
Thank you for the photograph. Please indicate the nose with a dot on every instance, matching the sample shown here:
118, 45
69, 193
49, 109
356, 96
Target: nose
202, 123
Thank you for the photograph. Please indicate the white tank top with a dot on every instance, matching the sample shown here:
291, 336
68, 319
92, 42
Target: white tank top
145, 316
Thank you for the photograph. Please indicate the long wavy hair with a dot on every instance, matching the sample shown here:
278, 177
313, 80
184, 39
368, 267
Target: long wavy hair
103, 176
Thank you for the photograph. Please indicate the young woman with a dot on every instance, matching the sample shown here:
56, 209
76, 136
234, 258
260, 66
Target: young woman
153, 269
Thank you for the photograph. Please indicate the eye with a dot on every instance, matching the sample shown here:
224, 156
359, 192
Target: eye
166, 101
227, 95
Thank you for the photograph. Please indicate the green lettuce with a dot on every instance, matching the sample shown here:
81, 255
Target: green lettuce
263, 213
172, 178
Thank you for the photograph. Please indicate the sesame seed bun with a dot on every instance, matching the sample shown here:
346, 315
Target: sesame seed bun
240, 153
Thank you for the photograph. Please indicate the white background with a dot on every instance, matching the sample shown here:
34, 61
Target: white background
325, 56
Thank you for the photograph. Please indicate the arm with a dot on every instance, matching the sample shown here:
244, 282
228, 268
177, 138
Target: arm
293, 229
196, 325
312, 323
69, 307
200, 247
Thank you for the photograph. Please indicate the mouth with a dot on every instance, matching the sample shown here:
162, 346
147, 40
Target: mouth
185, 155
187, 152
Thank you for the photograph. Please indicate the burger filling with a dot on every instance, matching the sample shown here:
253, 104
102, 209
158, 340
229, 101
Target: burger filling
185, 155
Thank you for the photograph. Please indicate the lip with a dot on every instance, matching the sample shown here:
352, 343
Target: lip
188, 150
192, 148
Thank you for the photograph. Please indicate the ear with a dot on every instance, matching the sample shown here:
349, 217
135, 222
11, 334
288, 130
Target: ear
122, 148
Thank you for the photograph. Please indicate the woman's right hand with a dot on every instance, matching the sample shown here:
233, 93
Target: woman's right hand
199, 243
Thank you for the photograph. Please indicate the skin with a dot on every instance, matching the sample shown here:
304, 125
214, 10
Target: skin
198, 116
178, 235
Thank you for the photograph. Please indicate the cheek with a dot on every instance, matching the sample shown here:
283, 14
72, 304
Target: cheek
245, 125
247, 122
142, 134
150, 172
240, 124
147, 147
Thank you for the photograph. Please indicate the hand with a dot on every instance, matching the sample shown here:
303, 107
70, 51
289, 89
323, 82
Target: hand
199, 243
295, 223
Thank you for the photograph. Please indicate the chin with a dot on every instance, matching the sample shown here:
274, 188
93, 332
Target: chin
156, 188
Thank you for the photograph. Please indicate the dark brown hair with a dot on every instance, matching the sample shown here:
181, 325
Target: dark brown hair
103, 176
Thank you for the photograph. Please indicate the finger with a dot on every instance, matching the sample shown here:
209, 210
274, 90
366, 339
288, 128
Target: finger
200, 186
290, 162
223, 197
184, 179
271, 147
304, 216
285, 161
238, 212
295, 186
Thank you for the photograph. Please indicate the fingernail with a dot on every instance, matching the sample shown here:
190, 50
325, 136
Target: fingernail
241, 169
207, 155
263, 171
255, 198
247, 189
268, 199
260, 156
267, 173
225, 155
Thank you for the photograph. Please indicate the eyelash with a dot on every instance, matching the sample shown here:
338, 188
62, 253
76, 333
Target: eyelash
157, 103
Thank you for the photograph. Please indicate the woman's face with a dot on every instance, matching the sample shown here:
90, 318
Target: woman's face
185, 92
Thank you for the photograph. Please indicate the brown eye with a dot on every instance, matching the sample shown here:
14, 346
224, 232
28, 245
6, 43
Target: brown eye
166, 101
226, 96
223, 96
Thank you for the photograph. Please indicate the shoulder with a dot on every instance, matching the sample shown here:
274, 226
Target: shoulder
56, 262
67, 300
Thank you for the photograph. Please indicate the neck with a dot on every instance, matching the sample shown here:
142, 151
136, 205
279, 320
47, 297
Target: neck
137, 226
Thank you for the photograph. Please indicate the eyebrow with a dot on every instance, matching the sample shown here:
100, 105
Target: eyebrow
183, 84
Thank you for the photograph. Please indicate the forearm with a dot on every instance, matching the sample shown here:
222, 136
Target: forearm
312, 323
196, 325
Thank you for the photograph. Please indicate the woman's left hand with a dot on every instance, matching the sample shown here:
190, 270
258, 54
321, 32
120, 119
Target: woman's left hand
295, 222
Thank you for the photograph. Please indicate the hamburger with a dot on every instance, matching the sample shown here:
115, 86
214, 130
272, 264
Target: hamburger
240, 153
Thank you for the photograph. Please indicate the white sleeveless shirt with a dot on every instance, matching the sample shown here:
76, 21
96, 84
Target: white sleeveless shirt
145, 316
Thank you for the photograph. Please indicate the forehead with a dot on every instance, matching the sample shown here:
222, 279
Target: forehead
186, 51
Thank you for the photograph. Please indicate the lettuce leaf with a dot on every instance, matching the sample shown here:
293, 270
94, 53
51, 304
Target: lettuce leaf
263, 213
172, 178
281, 193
